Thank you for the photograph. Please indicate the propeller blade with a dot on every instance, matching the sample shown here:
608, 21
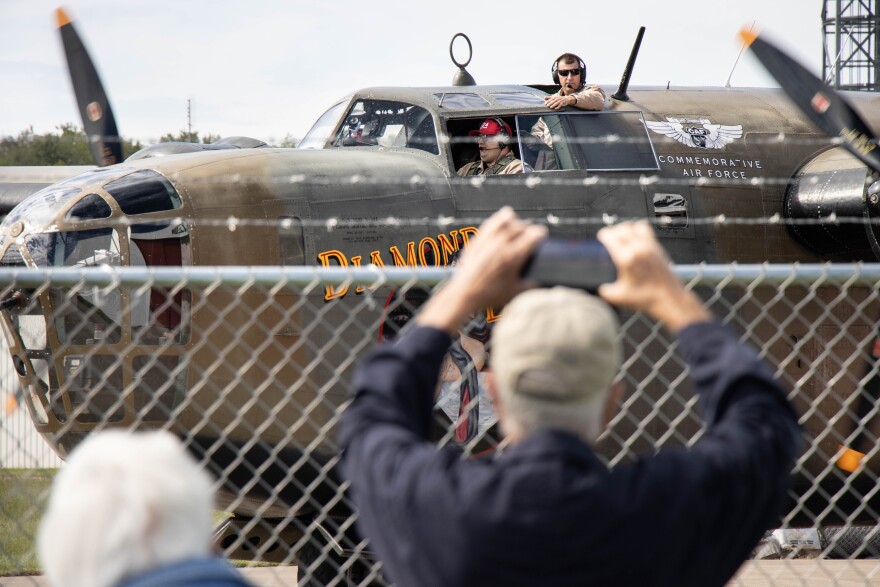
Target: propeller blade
831, 113
94, 108
824, 106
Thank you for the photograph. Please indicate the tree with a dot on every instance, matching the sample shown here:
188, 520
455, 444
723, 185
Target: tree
67, 146
184, 136
289, 141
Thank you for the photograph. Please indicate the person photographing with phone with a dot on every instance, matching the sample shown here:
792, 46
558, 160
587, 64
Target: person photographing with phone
547, 510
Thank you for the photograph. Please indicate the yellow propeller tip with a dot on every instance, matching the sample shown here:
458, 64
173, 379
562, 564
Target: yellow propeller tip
61, 17
747, 36
850, 459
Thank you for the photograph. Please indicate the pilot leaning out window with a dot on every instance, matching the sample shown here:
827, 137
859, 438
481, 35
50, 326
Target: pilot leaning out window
570, 72
496, 158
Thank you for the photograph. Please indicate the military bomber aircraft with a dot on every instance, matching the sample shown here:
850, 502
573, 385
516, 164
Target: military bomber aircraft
374, 182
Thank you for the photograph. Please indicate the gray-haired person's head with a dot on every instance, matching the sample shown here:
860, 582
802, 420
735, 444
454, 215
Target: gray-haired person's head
555, 354
124, 503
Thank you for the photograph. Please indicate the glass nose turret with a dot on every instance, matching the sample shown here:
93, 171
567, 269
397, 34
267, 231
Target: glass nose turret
85, 353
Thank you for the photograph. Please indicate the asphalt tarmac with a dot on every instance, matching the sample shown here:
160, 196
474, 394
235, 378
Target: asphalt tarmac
258, 576
782, 573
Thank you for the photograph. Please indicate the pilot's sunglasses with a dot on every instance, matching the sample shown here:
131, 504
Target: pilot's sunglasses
568, 72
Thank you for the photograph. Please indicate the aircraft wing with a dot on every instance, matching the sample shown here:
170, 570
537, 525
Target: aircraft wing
17, 183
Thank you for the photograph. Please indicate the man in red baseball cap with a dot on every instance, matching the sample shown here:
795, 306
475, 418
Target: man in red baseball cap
496, 158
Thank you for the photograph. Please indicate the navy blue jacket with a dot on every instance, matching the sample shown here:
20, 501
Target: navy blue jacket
548, 511
198, 572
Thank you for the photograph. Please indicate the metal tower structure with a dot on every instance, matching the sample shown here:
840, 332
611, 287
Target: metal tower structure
851, 44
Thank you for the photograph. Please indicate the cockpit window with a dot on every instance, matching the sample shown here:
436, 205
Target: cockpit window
591, 141
460, 100
89, 207
83, 248
156, 315
320, 132
143, 192
517, 99
93, 309
386, 123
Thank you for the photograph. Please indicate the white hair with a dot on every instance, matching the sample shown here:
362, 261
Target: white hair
124, 502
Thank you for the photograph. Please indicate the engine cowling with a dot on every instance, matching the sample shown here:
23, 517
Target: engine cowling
177, 147
834, 188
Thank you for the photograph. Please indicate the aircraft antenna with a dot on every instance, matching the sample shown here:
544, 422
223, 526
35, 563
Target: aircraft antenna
620, 94
462, 77
736, 62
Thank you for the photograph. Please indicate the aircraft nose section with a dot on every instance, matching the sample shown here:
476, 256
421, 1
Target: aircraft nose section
90, 354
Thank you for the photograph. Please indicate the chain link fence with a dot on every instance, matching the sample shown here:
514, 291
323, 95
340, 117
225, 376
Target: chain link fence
251, 367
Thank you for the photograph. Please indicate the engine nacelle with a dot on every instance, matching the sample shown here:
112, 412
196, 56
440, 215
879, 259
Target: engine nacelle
834, 185
177, 147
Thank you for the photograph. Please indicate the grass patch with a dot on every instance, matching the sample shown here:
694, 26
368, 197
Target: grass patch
23, 495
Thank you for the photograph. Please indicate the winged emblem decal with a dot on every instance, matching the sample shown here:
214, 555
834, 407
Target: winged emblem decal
697, 132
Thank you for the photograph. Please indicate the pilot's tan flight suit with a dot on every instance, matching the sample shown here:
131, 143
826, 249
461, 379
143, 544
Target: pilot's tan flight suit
504, 166
587, 98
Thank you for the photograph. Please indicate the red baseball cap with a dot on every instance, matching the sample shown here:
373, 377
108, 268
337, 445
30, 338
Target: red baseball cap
490, 127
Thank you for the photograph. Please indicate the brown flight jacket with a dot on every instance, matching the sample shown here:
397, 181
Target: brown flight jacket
504, 166
587, 98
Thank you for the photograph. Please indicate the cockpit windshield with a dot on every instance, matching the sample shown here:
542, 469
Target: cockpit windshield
320, 133
387, 123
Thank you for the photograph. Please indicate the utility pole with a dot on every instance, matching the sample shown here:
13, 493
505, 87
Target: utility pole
189, 126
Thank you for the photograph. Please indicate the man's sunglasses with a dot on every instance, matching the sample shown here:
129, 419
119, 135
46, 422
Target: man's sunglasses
568, 72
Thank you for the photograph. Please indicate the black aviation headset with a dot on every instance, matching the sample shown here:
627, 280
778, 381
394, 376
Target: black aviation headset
554, 71
503, 135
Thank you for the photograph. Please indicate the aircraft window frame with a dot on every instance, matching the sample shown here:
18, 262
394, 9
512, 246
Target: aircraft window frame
41, 207
143, 192
92, 403
388, 123
157, 315
517, 99
582, 153
89, 207
40, 368
462, 147
460, 100
322, 130
93, 176
168, 310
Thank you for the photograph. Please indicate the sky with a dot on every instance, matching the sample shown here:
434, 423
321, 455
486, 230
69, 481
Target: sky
269, 68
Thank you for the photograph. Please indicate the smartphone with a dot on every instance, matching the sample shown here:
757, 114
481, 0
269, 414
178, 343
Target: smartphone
583, 264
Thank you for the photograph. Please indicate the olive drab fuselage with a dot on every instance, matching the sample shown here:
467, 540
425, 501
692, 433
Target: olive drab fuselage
685, 158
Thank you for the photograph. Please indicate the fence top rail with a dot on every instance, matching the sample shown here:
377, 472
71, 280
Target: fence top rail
108, 276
